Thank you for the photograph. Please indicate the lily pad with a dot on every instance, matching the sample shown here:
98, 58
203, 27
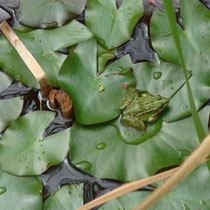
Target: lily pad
43, 45
113, 26
195, 38
48, 14
95, 96
68, 197
126, 162
24, 152
159, 78
5, 81
10, 109
20, 192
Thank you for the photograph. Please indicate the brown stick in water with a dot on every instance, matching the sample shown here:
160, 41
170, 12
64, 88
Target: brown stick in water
28, 58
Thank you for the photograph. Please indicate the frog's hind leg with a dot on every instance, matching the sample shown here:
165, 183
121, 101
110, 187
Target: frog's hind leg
133, 122
128, 99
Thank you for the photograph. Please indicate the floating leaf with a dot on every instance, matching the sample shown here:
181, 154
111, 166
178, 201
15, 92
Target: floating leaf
43, 44
195, 40
48, 14
95, 97
24, 152
66, 198
170, 146
5, 81
10, 109
112, 26
20, 192
159, 78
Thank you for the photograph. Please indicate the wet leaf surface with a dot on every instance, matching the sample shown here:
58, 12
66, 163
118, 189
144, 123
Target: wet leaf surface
20, 192
5, 81
48, 14
96, 97
159, 78
169, 147
195, 45
11, 108
68, 197
23, 151
43, 45
113, 26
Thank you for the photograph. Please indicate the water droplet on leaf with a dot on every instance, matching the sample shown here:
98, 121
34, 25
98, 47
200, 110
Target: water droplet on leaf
84, 165
203, 202
157, 75
2, 190
101, 88
101, 146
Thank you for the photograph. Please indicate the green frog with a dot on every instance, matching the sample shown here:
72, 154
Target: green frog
139, 107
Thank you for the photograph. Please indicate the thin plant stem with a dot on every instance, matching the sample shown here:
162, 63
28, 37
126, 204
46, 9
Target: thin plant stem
168, 5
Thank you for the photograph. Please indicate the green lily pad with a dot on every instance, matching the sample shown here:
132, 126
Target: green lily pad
195, 40
20, 192
104, 56
24, 152
126, 162
184, 196
95, 96
159, 78
66, 198
48, 14
113, 26
10, 109
43, 45
5, 81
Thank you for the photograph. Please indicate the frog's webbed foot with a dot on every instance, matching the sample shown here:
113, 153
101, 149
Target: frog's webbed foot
133, 122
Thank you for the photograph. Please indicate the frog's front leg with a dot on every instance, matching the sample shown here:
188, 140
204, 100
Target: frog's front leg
133, 122
153, 118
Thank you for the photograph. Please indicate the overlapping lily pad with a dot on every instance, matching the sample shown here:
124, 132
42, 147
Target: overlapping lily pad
66, 198
95, 96
195, 45
159, 78
48, 14
9, 108
20, 192
24, 152
43, 45
127, 162
111, 26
